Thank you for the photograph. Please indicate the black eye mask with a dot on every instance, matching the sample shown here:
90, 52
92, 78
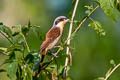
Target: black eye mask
59, 20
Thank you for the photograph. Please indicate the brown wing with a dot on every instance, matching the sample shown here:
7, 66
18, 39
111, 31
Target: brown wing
50, 37
53, 33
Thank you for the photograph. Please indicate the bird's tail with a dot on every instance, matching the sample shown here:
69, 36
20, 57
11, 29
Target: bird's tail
41, 61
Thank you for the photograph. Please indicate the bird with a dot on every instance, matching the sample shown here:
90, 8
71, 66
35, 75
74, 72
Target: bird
52, 37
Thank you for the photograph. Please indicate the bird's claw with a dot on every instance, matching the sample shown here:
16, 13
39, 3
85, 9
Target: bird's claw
55, 56
56, 46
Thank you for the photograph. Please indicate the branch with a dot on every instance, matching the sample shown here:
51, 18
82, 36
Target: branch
6, 37
2, 53
85, 19
69, 35
113, 70
81, 22
70, 32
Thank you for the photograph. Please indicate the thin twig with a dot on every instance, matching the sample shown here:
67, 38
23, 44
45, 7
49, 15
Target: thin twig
69, 35
25, 42
70, 59
106, 78
4, 53
6, 37
85, 19
53, 76
81, 22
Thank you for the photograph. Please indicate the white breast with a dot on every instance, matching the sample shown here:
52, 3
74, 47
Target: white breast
53, 43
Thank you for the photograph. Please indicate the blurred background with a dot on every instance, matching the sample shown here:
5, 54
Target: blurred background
91, 53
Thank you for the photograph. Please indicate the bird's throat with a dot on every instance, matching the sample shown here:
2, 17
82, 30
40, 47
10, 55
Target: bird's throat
61, 24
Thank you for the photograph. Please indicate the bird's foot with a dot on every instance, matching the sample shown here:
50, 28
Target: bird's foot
54, 55
56, 46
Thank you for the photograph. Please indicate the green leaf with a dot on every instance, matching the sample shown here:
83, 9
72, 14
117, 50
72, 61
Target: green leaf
8, 61
27, 73
12, 56
61, 48
13, 50
15, 34
17, 27
11, 69
3, 49
87, 12
89, 7
34, 32
16, 47
61, 59
100, 78
6, 30
45, 64
68, 78
109, 9
112, 62
20, 40
29, 59
43, 76
36, 61
18, 56
97, 27
72, 35
61, 70
117, 4
29, 24
25, 30
19, 73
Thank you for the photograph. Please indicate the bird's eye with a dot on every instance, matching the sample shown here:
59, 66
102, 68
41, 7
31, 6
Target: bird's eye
65, 18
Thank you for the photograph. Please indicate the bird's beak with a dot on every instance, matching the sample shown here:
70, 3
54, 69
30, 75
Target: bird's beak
67, 20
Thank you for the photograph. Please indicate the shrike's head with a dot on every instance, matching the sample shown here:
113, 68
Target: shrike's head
60, 21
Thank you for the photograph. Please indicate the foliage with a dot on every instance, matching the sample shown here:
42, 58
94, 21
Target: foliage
97, 27
111, 8
110, 71
22, 63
